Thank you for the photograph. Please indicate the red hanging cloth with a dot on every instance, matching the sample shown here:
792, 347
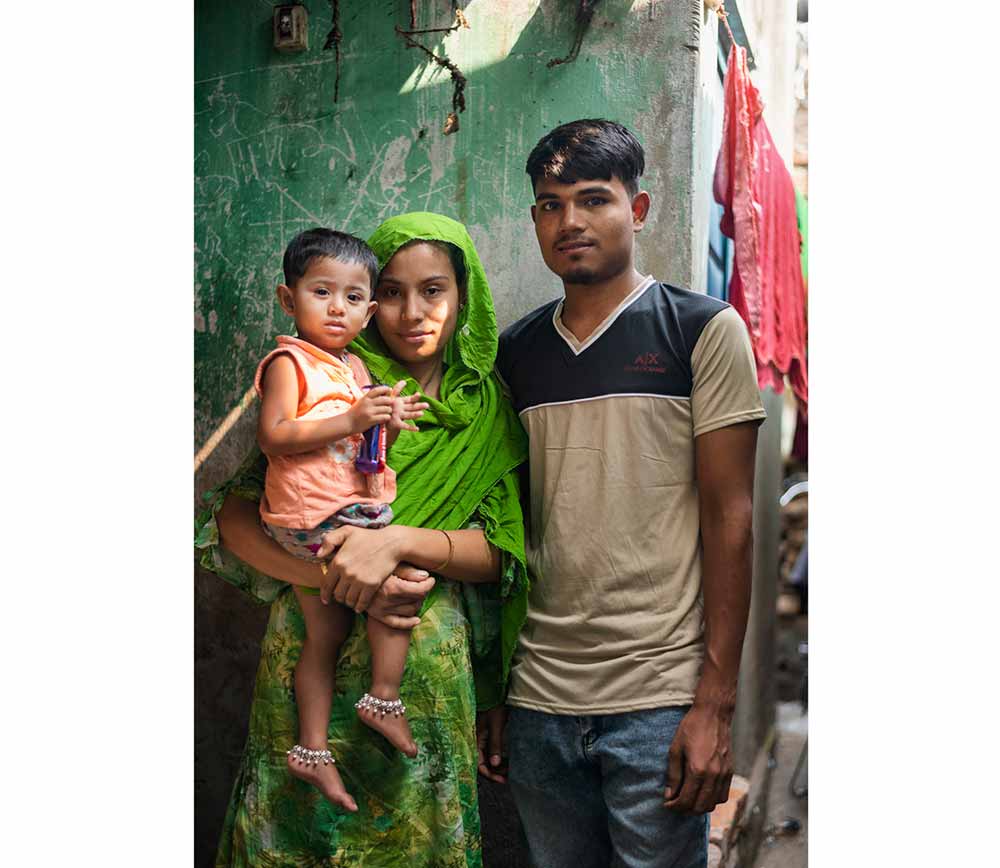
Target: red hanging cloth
758, 197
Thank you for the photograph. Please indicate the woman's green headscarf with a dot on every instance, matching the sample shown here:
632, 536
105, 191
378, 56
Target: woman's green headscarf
460, 465
474, 345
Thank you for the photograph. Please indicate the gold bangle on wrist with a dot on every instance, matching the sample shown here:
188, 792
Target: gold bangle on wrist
451, 552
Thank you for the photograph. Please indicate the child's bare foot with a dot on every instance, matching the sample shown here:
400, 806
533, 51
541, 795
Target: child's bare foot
317, 767
388, 718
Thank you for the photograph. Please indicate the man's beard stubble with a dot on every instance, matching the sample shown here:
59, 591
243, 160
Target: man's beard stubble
583, 276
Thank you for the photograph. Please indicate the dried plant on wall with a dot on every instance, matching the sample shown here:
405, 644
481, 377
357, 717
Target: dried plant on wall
333, 41
458, 79
584, 15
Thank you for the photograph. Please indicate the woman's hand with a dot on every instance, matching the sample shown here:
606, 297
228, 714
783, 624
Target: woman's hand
365, 559
399, 599
404, 409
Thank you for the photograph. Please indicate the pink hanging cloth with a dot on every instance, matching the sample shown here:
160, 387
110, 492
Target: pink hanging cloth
758, 197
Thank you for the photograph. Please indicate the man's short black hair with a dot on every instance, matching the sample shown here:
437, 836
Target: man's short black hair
314, 243
588, 149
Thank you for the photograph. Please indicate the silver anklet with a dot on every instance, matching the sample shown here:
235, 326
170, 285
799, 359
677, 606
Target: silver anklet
382, 707
311, 757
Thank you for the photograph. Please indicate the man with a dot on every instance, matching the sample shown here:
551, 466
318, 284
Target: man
641, 406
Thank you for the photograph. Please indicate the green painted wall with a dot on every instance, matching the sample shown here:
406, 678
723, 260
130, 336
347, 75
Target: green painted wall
275, 155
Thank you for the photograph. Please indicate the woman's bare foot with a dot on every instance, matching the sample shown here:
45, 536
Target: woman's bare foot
309, 766
388, 718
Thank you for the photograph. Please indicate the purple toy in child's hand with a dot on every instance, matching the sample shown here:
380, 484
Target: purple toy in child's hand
371, 456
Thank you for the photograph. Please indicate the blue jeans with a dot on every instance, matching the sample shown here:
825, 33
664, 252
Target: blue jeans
589, 791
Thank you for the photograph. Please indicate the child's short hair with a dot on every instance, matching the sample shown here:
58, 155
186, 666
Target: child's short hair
588, 149
313, 243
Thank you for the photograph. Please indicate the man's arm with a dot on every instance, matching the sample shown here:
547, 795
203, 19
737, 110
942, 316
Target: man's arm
700, 764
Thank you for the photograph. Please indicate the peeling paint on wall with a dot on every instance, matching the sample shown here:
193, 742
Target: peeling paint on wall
393, 174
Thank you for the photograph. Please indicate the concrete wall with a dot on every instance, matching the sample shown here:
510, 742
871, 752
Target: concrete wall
801, 170
756, 691
707, 136
274, 155
771, 29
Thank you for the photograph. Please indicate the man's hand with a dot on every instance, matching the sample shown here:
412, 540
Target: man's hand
489, 741
699, 764
399, 599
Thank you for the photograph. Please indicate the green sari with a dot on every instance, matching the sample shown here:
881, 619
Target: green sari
459, 471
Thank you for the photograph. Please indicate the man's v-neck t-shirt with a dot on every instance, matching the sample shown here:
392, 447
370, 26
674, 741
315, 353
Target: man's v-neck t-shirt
615, 610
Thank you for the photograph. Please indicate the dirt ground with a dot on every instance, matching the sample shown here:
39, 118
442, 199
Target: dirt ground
784, 848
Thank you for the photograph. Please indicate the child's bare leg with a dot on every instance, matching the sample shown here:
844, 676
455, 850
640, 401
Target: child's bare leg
326, 629
389, 647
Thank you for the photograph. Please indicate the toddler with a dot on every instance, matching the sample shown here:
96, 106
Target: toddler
313, 415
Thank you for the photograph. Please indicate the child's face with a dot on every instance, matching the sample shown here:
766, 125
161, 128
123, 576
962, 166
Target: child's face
331, 302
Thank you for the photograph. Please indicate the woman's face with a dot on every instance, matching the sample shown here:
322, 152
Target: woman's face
418, 301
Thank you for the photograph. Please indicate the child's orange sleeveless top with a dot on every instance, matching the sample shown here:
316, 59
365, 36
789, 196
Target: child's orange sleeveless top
303, 490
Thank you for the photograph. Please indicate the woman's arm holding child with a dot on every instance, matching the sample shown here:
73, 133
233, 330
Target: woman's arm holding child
396, 603
280, 433
365, 557
240, 532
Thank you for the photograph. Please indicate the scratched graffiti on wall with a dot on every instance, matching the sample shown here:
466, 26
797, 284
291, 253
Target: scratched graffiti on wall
262, 176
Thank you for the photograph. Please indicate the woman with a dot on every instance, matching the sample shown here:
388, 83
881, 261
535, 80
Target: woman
435, 328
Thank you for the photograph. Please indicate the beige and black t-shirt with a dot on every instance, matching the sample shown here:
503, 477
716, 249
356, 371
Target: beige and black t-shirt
615, 611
